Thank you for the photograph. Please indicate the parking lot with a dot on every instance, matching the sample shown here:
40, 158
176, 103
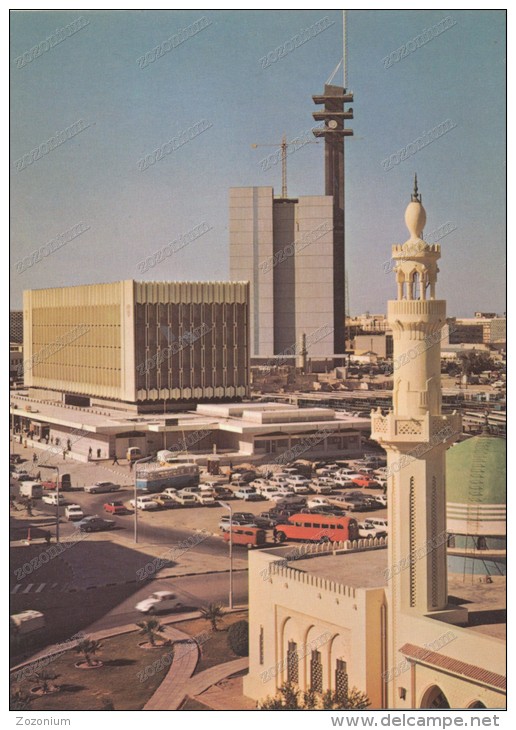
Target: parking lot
163, 525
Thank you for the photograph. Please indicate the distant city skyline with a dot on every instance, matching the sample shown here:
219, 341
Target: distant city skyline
132, 134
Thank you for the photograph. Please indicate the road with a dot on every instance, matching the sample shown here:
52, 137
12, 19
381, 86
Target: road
194, 591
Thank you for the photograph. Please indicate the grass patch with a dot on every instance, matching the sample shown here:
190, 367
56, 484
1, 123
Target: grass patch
216, 649
117, 681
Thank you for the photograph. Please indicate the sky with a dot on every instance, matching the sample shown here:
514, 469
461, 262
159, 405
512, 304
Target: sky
128, 108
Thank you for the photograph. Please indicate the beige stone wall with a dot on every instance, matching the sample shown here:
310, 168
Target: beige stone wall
340, 621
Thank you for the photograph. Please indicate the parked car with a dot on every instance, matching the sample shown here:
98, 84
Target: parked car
144, 502
279, 496
301, 488
381, 499
324, 510
102, 487
266, 490
379, 522
74, 512
365, 481
224, 522
189, 490
368, 530
185, 499
248, 494
223, 493
115, 508
343, 481
321, 486
16, 459
317, 502
288, 500
23, 476
204, 498
164, 500
95, 524
53, 499
159, 601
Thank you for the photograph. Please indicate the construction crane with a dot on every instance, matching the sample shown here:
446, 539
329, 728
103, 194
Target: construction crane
284, 145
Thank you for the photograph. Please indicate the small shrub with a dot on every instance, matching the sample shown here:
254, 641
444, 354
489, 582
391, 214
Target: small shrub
238, 638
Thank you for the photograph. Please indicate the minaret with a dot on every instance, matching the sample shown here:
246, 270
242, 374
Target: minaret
416, 435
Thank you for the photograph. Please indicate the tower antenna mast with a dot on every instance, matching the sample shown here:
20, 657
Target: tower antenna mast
344, 50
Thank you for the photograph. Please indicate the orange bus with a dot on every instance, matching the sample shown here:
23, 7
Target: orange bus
319, 528
249, 536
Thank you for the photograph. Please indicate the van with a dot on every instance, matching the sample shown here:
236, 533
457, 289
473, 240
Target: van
243, 535
133, 453
32, 490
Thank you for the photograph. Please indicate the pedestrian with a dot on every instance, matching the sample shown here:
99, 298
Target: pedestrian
34, 458
115, 460
275, 534
38, 476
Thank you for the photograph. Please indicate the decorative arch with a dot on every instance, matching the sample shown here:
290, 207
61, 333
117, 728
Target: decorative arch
476, 705
434, 699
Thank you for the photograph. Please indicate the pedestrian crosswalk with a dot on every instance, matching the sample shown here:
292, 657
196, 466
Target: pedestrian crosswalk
20, 588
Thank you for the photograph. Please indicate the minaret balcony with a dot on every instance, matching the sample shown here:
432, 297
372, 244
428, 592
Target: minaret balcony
425, 429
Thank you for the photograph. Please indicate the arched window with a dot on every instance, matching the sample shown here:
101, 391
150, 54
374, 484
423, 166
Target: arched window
451, 541
292, 663
316, 672
481, 543
435, 699
476, 706
341, 680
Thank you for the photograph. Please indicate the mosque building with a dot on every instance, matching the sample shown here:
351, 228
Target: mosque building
388, 619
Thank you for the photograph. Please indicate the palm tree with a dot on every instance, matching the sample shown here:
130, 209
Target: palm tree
45, 678
213, 613
150, 628
88, 648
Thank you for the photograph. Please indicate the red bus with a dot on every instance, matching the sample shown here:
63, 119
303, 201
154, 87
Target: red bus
249, 536
319, 528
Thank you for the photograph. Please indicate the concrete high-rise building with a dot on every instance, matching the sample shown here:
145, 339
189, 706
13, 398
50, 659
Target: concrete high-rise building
292, 252
283, 246
139, 342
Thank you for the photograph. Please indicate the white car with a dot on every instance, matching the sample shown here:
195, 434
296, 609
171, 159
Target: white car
382, 499
249, 494
185, 499
301, 488
314, 502
290, 499
343, 480
297, 479
379, 522
159, 601
281, 496
321, 487
208, 488
367, 529
204, 497
74, 512
267, 490
144, 503
52, 498
278, 481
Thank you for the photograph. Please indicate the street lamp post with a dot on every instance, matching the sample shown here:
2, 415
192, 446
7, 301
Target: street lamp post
228, 507
139, 461
48, 466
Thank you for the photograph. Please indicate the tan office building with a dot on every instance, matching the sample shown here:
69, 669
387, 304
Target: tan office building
139, 342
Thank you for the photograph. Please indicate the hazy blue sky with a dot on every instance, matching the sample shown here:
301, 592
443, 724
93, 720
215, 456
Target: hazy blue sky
217, 76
